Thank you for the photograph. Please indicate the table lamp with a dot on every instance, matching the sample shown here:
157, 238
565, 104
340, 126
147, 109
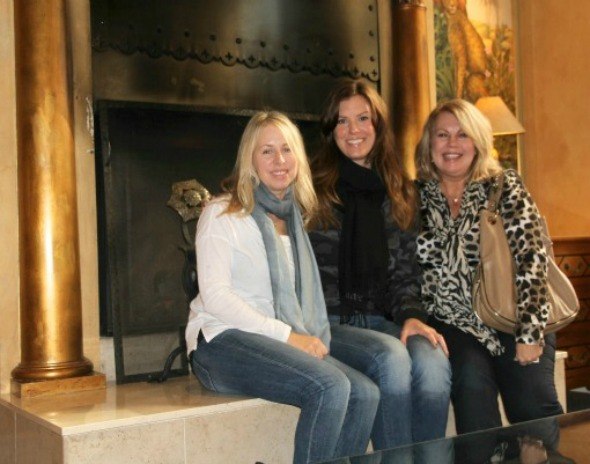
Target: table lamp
501, 118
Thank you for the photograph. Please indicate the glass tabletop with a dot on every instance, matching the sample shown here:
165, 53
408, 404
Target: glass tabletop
558, 439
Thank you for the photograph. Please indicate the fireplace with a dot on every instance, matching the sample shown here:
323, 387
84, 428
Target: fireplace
174, 85
143, 151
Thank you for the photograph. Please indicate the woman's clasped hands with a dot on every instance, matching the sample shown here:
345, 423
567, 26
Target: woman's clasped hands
308, 344
527, 354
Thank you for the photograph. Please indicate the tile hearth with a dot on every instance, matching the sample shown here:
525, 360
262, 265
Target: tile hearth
173, 422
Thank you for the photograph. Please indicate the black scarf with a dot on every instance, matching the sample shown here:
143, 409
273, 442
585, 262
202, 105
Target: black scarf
363, 254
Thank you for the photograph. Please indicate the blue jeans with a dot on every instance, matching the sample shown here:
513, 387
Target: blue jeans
414, 381
338, 404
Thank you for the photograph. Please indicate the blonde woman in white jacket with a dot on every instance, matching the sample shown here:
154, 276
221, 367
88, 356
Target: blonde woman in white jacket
259, 325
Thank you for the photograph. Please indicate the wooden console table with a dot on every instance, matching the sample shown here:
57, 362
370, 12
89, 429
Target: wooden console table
573, 257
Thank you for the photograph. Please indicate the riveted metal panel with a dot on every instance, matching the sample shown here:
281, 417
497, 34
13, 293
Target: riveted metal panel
232, 53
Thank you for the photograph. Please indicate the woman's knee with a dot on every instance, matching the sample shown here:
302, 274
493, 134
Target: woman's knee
529, 410
354, 386
529, 405
472, 380
429, 363
365, 392
328, 385
472, 370
392, 367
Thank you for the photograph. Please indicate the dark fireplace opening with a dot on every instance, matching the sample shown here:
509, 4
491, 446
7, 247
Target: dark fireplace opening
142, 151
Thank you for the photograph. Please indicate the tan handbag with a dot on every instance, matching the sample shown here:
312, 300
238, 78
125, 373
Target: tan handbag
494, 289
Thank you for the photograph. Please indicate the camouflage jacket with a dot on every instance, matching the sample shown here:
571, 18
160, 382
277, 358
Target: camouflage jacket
404, 274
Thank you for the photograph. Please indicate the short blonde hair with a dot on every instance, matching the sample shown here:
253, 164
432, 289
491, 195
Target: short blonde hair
244, 178
475, 125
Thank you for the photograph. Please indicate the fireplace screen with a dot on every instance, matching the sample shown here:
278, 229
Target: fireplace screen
142, 152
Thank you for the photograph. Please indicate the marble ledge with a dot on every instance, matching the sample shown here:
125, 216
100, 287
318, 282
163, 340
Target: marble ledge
126, 405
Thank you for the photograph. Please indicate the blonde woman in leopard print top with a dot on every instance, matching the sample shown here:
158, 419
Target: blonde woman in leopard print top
455, 166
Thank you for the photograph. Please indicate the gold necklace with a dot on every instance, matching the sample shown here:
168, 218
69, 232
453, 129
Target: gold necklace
454, 201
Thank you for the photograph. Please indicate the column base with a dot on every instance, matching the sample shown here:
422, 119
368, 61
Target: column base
36, 371
92, 381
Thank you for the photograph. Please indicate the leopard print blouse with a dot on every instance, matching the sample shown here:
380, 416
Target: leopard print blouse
448, 252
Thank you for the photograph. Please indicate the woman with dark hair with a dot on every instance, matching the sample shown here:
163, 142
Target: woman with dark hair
364, 240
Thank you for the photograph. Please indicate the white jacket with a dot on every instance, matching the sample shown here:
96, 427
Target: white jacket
234, 280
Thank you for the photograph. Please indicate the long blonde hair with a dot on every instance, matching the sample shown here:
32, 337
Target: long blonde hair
476, 126
384, 157
244, 178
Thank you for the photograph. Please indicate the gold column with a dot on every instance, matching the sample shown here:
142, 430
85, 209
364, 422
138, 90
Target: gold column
50, 291
405, 74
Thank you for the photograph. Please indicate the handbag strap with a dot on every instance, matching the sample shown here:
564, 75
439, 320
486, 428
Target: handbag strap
494, 208
546, 238
495, 194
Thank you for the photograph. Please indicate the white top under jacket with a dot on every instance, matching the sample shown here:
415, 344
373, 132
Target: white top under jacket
234, 279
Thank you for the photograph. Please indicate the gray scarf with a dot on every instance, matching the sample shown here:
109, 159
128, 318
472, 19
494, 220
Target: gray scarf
302, 307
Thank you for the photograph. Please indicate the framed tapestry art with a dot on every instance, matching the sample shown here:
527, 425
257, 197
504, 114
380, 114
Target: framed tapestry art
475, 58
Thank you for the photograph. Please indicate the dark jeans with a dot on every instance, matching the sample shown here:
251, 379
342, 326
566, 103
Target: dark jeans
528, 392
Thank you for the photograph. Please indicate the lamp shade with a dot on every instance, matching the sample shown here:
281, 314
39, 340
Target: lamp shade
501, 118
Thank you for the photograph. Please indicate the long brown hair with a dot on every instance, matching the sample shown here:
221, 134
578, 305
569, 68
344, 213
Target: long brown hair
383, 157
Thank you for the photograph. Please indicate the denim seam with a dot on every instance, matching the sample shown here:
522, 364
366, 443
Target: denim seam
203, 370
238, 346
304, 374
369, 353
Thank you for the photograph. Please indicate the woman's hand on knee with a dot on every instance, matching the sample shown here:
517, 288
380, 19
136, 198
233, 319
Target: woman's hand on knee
413, 326
309, 344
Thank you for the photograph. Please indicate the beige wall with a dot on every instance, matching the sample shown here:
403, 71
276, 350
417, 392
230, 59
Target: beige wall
9, 335
9, 261
554, 84
555, 77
